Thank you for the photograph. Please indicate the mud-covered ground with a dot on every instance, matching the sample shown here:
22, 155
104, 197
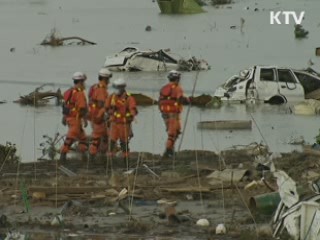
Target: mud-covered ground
93, 209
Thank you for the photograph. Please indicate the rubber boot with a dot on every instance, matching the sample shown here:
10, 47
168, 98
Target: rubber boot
126, 159
92, 157
168, 153
84, 157
63, 157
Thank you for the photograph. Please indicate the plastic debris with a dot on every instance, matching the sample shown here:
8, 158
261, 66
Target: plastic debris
203, 222
221, 229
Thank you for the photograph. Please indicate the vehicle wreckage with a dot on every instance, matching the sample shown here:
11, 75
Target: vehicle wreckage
271, 84
132, 59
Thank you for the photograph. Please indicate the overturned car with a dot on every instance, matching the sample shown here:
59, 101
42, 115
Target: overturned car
132, 59
270, 84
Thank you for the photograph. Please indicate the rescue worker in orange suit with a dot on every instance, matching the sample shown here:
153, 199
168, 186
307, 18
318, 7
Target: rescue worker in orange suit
75, 115
121, 109
98, 94
170, 104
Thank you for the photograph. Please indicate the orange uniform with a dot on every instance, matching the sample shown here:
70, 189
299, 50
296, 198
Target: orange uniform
97, 97
170, 105
74, 116
121, 110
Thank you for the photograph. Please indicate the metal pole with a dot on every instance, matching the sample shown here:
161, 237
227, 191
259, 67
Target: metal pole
188, 111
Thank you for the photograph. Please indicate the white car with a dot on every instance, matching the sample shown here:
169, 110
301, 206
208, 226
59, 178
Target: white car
269, 84
132, 59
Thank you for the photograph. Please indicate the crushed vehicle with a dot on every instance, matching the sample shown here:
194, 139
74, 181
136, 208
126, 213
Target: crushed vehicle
132, 59
271, 84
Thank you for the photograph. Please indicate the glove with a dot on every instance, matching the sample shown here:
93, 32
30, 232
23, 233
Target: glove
64, 121
184, 100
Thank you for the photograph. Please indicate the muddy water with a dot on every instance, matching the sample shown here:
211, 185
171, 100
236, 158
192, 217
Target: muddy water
115, 24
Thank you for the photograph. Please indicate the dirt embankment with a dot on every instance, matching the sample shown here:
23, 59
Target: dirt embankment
92, 199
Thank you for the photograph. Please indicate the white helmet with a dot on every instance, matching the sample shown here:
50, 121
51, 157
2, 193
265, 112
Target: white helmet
104, 72
174, 75
120, 82
79, 76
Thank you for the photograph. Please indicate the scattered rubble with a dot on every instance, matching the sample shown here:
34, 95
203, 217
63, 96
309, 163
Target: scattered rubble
153, 193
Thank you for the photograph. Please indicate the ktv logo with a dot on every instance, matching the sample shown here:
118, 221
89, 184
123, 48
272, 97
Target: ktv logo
286, 17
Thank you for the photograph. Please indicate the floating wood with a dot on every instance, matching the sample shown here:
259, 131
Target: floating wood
318, 51
37, 98
143, 100
226, 124
201, 100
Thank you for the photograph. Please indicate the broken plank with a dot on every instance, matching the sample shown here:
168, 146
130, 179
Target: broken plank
66, 190
66, 171
225, 124
186, 189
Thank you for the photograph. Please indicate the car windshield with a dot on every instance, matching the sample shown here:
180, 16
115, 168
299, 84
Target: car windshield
243, 75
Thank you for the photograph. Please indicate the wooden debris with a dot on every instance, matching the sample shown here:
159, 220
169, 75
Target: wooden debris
186, 189
38, 195
318, 51
67, 171
143, 100
307, 149
201, 100
54, 40
228, 124
37, 98
228, 175
66, 190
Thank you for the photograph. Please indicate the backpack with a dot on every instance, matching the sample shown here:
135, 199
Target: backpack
66, 107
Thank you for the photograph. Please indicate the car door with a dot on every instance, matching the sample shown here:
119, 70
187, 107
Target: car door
266, 83
289, 85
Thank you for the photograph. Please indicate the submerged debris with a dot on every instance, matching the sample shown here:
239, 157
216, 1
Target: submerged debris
179, 6
37, 98
148, 28
132, 59
193, 64
54, 40
220, 2
300, 32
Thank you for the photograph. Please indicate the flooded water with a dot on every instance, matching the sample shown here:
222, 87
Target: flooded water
115, 24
